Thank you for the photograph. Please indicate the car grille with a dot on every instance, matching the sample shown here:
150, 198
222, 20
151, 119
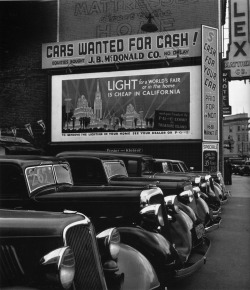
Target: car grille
10, 267
82, 241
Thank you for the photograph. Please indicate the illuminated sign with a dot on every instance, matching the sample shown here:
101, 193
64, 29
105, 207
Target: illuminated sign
238, 56
210, 84
133, 48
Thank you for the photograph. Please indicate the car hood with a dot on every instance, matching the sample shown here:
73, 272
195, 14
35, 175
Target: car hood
35, 223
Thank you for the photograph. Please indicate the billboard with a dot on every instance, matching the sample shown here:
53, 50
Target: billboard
138, 105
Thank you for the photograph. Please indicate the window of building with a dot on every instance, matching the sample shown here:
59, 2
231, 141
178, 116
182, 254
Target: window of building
238, 137
238, 127
230, 129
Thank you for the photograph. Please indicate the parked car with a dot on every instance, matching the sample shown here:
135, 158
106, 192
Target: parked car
212, 194
244, 169
137, 171
45, 183
60, 250
216, 181
10, 145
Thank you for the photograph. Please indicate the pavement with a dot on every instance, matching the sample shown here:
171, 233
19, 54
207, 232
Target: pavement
228, 261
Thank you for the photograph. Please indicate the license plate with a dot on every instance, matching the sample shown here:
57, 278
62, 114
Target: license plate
200, 230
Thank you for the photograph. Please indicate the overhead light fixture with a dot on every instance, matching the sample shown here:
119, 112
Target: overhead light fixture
149, 26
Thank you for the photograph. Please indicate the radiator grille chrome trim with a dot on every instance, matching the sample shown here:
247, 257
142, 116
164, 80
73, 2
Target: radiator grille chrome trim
80, 237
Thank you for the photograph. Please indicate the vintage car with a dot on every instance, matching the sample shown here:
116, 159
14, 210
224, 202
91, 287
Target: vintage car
244, 169
89, 167
60, 250
215, 179
16, 145
138, 213
212, 194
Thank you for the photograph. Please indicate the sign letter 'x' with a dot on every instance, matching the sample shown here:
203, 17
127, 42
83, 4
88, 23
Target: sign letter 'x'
240, 48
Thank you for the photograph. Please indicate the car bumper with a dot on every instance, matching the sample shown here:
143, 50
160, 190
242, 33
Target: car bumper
213, 225
195, 261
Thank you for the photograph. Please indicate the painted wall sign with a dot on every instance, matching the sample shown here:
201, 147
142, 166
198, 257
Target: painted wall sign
116, 105
238, 55
210, 84
111, 18
141, 47
210, 157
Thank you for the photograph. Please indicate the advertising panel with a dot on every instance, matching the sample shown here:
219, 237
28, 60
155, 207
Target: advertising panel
210, 157
132, 48
238, 54
138, 105
108, 18
210, 84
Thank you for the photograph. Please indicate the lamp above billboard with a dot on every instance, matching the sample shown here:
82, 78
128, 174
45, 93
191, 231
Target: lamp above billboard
238, 54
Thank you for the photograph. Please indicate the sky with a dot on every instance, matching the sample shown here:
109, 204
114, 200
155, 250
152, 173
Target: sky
239, 97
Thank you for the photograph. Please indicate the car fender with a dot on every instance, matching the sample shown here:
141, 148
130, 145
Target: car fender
158, 250
137, 270
217, 190
202, 209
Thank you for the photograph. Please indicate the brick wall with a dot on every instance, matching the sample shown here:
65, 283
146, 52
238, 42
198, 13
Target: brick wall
24, 26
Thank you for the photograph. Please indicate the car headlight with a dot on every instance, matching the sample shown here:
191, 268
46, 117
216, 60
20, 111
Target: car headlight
109, 243
187, 195
197, 191
197, 180
152, 215
151, 195
60, 267
171, 202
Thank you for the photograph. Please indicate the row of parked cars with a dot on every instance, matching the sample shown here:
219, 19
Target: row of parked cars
104, 220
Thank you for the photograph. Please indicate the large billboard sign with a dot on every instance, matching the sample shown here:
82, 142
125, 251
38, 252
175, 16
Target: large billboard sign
138, 105
210, 84
238, 55
141, 47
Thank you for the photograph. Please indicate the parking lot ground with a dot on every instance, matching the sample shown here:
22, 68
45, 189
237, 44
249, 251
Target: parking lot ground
228, 262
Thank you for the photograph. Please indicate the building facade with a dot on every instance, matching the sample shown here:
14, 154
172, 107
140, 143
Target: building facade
236, 136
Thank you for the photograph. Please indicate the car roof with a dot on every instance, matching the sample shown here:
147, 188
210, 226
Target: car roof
29, 160
102, 154
167, 160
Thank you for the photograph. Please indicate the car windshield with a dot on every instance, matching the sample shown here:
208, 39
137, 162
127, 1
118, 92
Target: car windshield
184, 167
147, 166
63, 174
113, 168
165, 167
39, 176
44, 175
